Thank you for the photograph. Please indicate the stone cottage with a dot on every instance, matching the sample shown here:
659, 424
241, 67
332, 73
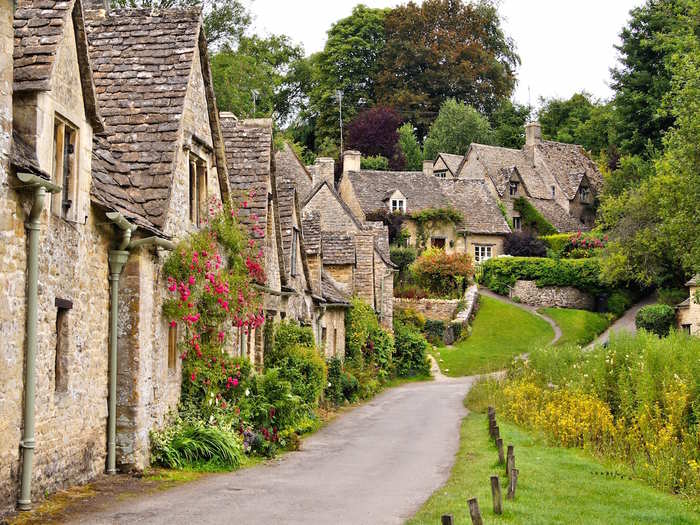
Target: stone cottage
480, 232
110, 150
689, 310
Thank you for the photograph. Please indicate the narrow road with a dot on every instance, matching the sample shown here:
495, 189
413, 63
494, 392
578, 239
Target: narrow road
626, 323
374, 464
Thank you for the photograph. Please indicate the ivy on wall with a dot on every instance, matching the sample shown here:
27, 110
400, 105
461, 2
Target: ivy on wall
431, 217
531, 218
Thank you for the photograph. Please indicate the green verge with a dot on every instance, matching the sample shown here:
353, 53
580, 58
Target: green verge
555, 485
578, 327
500, 332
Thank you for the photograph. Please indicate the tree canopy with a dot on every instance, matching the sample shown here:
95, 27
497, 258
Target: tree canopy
455, 128
374, 132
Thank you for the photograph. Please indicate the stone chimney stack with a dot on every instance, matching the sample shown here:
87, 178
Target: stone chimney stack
428, 167
352, 161
533, 134
97, 5
7, 37
324, 169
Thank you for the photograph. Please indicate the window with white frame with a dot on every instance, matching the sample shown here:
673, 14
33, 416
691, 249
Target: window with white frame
398, 205
513, 189
441, 174
517, 224
482, 252
197, 189
65, 168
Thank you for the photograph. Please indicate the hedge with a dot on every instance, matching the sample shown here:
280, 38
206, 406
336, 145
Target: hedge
656, 318
556, 242
500, 274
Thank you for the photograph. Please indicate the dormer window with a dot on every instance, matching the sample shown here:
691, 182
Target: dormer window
398, 205
584, 193
441, 174
513, 188
553, 191
198, 190
65, 168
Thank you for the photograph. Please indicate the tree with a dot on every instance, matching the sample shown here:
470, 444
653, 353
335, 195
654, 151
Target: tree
410, 148
444, 49
349, 62
508, 122
225, 21
455, 128
374, 132
264, 65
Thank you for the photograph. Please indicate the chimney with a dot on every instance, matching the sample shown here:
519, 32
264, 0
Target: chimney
97, 5
428, 167
324, 169
533, 134
352, 161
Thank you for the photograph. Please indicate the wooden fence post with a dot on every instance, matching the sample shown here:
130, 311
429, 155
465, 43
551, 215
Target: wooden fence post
496, 493
496, 433
512, 483
499, 444
510, 465
474, 512
447, 519
508, 456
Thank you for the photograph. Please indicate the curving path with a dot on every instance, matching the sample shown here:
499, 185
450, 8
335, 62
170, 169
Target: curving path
527, 307
375, 464
626, 323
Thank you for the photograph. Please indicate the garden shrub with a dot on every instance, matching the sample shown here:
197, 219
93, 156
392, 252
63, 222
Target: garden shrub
500, 273
411, 291
374, 162
306, 371
672, 296
532, 219
619, 302
434, 331
409, 317
556, 242
577, 245
287, 335
442, 273
333, 393
524, 244
410, 358
656, 318
402, 257
360, 319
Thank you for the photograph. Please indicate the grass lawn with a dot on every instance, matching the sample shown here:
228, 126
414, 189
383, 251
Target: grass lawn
579, 327
555, 485
500, 332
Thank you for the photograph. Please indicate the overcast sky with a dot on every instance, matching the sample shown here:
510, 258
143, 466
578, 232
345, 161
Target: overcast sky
565, 45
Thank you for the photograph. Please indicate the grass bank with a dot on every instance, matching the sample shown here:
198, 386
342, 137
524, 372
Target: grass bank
556, 485
578, 327
500, 332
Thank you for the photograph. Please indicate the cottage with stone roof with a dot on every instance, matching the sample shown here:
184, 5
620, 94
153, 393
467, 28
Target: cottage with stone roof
689, 310
110, 151
479, 233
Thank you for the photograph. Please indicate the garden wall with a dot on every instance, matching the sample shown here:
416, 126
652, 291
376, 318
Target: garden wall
434, 309
562, 296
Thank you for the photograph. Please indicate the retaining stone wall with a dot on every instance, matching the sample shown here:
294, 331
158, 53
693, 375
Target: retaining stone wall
562, 296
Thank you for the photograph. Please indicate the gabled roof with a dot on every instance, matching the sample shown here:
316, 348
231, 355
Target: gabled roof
142, 64
311, 228
338, 248
335, 194
695, 281
23, 157
39, 27
558, 216
248, 145
453, 162
568, 164
331, 292
289, 166
470, 197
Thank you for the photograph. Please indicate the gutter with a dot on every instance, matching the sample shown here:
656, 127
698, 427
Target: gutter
40, 187
117, 260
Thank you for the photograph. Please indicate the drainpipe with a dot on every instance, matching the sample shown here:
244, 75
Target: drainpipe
40, 188
117, 260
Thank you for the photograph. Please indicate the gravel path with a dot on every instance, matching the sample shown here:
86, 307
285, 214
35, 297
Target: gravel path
374, 464
624, 323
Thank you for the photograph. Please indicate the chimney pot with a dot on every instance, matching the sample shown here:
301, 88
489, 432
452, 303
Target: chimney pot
352, 161
428, 167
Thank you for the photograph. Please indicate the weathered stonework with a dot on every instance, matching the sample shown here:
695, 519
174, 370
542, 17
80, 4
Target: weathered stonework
435, 309
689, 310
562, 296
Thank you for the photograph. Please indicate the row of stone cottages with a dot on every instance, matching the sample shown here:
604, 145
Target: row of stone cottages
111, 146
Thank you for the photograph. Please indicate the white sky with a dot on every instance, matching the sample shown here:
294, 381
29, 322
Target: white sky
565, 45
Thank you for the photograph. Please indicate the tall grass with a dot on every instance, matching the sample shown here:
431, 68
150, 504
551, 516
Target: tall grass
193, 444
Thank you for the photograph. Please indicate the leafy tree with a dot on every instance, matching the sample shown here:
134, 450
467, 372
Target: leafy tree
225, 21
374, 162
349, 62
508, 122
444, 49
410, 148
374, 132
261, 64
455, 128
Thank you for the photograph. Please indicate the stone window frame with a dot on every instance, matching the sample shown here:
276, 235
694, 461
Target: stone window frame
398, 205
64, 204
197, 184
62, 348
441, 174
517, 224
483, 252
513, 188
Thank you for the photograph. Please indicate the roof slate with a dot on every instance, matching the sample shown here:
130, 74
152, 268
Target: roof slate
338, 247
23, 156
568, 163
248, 145
286, 205
288, 166
331, 292
142, 60
695, 281
453, 162
311, 230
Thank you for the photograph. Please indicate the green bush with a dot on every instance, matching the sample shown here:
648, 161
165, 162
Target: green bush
443, 274
556, 242
672, 296
194, 444
619, 302
287, 335
409, 317
304, 368
499, 274
410, 358
333, 393
434, 331
379, 352
656, 318
360, 320
531, 218
375, 162
402, 257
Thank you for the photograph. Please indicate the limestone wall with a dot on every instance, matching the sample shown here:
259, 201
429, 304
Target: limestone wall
690, 315
333, 216
435, 309
333, 321
563, 296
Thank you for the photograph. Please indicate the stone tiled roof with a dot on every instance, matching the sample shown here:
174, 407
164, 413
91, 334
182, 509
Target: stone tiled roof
311, 230
470, 197
557, 215
286, 205
248, 145
288, 166
695, 281
568, 163
142, 60
335, 194
331, 291
111, 184
338, 248
23, 157
453, 162
39, 27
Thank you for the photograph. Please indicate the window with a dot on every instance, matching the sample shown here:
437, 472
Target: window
324, 335
438, 242
442, 174
686, 328
584, 193
63, 306
65, 168
172, 347
517, 224
335, 341
513, 189
198, 190
482, 252
293, 253
398, 205
553, 191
